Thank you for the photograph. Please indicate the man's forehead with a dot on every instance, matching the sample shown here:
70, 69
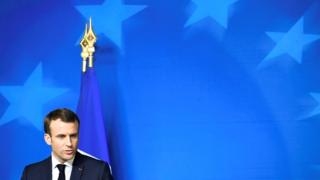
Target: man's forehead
58, 125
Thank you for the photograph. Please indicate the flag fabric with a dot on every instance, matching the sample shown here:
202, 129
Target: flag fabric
93, 136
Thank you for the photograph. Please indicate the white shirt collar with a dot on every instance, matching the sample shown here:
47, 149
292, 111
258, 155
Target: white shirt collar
55, 161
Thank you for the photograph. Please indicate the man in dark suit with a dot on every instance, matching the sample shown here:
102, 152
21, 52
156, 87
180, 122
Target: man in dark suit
65, 163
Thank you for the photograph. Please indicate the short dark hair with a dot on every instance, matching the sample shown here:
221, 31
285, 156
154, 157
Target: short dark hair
66, 115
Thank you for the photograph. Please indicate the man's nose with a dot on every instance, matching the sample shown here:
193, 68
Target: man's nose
68, 141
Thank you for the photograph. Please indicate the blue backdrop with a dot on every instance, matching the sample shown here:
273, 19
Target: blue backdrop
191, 89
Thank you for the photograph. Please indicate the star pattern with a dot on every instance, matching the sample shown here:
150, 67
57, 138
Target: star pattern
290, 43
188, 84
26, 101
108, 17
316, 110
217, 9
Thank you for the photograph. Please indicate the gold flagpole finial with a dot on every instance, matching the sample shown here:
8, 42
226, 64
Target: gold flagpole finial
90, 23
84, 45
87, 44
92, 40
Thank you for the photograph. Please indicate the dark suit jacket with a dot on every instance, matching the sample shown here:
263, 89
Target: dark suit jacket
84, 168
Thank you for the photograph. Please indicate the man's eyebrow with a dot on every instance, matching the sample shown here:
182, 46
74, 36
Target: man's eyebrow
60, 135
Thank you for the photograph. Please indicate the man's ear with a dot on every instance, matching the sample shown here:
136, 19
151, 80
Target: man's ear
47, 138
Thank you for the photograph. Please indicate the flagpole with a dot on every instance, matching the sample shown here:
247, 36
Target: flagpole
87, 44
92, 136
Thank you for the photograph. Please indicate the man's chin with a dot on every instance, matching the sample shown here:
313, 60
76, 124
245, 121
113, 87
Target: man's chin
69, 156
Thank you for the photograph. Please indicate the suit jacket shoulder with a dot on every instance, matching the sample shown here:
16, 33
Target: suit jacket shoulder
87, 168
38, 171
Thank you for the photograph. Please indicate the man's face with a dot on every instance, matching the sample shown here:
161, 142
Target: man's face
63, 139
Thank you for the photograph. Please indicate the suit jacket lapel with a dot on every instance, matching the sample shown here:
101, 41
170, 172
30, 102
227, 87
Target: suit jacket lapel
77, 168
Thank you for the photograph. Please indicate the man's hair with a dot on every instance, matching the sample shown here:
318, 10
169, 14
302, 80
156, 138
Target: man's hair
66, 115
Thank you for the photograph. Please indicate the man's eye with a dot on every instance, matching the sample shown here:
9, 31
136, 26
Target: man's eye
74, 136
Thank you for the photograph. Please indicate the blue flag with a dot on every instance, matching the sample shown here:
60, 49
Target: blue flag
93, 139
